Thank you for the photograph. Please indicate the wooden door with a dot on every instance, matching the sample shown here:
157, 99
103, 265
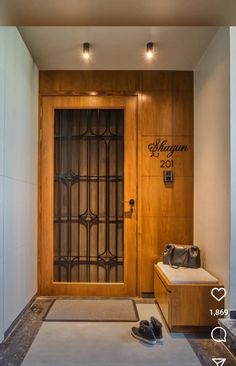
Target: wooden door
88, 175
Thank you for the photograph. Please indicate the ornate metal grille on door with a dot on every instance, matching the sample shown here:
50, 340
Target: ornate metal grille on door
88, 195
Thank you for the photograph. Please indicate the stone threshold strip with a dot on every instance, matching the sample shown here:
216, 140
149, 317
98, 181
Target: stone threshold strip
161, 146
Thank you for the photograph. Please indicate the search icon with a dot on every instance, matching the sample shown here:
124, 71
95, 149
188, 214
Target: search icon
215, 334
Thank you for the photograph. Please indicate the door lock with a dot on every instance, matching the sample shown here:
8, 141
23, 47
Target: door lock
131, 203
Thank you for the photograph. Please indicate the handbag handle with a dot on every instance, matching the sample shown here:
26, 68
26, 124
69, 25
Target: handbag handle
194, 251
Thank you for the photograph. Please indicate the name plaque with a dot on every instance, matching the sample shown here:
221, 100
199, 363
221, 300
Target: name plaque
162, 146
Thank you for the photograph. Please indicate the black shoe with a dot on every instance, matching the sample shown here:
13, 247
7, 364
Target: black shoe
157, 328
144, 333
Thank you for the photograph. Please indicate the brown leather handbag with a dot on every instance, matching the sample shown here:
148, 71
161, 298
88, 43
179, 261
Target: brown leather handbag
182, 256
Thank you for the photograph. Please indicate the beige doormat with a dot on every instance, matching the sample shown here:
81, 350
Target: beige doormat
93, 310
107, 344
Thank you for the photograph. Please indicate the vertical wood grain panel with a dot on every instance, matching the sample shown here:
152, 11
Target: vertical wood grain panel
182, 113
168, 200
183, 161
156, 232
157, 113
167, 209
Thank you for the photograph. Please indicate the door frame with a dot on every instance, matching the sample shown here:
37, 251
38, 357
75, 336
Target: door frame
46, 196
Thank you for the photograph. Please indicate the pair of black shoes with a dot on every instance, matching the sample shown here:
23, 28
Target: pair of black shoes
148, 332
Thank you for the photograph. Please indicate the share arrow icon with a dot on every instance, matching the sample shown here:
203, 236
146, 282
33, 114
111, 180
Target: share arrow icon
219, 361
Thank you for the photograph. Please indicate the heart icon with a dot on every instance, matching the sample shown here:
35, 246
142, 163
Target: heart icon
218, 293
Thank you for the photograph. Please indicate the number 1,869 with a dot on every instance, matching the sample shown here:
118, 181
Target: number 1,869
219, 312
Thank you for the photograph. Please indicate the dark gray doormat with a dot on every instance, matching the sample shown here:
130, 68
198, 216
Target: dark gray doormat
92, 310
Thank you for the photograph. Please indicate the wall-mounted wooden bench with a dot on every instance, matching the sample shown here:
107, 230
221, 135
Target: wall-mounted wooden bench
184, 297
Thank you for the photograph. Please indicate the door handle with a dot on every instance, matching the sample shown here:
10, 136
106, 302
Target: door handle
131, 202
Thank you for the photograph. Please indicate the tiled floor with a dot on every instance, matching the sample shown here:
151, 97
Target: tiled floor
107, 344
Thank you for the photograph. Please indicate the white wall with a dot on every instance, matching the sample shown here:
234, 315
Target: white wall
212, 156
18, 176
233, 167
2, 66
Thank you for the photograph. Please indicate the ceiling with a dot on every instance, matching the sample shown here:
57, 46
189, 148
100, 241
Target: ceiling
118, 12
117, 48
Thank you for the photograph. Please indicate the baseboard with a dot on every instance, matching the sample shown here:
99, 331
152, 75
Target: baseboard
14, 323
147, 295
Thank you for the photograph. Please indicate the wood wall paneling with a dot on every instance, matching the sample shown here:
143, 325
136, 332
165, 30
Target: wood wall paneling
76, 82
182, 112
167, 209
157, 113
168, 200
165, 111
183, 161
156, 232
157, 80
167, 80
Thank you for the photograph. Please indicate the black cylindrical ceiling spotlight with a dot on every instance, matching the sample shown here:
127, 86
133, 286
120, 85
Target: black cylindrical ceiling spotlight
86, 50
150, 50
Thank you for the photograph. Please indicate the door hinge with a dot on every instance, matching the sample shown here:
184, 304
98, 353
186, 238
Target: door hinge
40, 123
39, 206
40, 136
40, 112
